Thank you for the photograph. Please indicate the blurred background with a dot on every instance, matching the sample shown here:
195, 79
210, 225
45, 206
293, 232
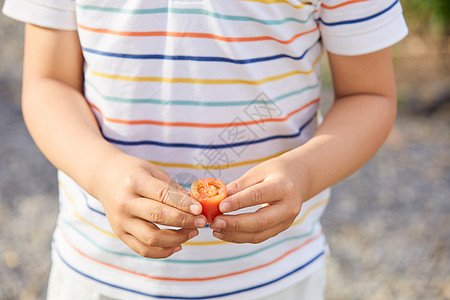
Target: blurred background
388, 224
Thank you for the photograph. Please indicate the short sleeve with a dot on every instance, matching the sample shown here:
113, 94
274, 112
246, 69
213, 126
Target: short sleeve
355, 27
56, 14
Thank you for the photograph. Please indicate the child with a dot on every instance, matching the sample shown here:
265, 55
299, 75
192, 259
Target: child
133, 100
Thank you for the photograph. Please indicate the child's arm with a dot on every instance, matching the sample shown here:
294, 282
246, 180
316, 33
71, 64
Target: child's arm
353, 130
132, 191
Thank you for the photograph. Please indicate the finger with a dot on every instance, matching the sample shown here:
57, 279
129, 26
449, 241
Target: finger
150, 235
159, 213
261, 220
148, 251
260, 193
250, 237
243, 182
163, 192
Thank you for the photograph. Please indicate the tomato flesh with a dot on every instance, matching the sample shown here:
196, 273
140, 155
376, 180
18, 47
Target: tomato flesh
209, 192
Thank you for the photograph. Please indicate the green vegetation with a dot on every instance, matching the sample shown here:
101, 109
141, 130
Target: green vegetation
428, 16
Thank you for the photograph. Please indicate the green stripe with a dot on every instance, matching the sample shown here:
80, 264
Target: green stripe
192, 11
204, 261
200, 103
185, 185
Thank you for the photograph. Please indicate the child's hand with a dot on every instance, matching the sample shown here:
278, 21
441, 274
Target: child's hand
135, 194
275, 185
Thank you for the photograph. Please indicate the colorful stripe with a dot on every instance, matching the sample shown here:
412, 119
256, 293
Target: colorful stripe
159, 296
202, 103
192, 279
194, 261
218, 166
192, 11
244, 39
359, 20
199, 58
309, 210
298, 6
211, 146
203, 125
92, 208
203, 80
341, 4
196, 35
198, 11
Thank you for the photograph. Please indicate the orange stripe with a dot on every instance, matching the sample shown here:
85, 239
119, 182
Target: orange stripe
201, 125
195, 35
192, 279
342, 4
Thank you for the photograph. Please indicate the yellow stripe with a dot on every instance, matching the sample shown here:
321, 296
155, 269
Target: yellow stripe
301, 5
215, 167
310, 209
204, 81
74, 210
210, 243
198, 81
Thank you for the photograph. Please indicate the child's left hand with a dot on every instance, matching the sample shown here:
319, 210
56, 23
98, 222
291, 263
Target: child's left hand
277, 186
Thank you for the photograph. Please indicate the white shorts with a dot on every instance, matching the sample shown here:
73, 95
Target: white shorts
62, 287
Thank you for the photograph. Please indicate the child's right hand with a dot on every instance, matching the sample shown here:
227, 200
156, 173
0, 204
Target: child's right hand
135, 194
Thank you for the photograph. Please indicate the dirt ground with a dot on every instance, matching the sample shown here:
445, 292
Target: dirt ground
388, 224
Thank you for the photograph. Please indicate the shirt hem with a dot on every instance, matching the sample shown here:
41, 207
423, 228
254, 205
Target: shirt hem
375, 40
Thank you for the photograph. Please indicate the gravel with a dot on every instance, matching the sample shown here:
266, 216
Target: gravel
388, 224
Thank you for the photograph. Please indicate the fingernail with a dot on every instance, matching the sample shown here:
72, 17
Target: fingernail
200, 222
217, 235
195, 209
193, 234
219, 223
224, 206
177, 249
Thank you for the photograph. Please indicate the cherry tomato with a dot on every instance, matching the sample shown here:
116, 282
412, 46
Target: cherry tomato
209, 192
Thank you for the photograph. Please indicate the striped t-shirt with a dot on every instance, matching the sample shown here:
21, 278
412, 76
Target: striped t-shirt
203, 88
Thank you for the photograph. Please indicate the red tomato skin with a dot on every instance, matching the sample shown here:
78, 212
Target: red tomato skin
210, 209
210, 204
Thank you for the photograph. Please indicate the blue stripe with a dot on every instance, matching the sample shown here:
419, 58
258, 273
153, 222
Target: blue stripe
199, 58
87, 203
94, 210
181, 297
360, 19
209, 146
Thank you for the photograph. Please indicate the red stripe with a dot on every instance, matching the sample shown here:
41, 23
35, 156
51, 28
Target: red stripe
196, 35
342, 4
201, 125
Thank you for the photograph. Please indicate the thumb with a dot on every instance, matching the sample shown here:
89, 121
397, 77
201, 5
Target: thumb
166, 190
247, 180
